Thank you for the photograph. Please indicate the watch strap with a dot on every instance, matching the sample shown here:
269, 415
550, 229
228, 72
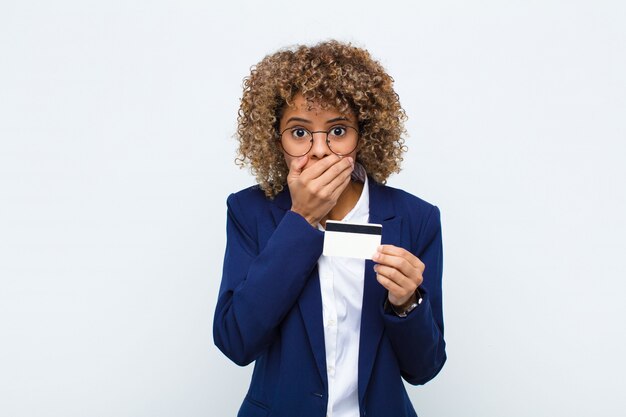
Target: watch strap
403, 311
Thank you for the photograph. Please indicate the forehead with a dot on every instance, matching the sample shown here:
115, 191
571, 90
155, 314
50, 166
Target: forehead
302, 106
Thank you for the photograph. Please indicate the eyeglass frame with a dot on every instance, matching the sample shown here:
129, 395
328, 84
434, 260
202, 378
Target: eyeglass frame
356, 145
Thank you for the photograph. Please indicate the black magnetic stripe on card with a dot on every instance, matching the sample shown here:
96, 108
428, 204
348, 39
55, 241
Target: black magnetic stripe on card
354, 228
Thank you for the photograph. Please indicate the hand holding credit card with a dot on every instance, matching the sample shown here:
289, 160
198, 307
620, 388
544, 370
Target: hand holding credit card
351, 240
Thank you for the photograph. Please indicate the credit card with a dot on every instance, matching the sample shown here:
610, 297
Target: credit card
351, 240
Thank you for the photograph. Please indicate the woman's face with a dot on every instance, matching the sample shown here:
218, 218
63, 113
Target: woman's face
312, 118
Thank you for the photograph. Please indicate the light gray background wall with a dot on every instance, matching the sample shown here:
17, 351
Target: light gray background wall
116, 157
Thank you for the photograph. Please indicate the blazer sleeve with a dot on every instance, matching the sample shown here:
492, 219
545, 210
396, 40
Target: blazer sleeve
417, 339
260, 285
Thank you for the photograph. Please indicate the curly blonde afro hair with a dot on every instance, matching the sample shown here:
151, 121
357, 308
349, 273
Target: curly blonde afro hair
335, 75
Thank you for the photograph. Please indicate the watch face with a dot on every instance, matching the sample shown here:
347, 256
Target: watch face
411, 308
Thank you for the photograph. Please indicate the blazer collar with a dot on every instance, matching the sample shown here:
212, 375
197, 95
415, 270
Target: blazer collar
381, 204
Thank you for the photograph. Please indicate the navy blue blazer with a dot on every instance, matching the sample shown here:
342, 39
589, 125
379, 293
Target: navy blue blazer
269, 308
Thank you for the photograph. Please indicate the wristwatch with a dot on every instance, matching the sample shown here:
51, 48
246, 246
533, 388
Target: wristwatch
405, 312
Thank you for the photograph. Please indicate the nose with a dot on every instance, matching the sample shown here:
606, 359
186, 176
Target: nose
320, 148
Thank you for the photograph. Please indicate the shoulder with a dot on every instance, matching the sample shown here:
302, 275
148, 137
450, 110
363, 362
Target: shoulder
422, 217
251, 205
405, 203
246, 202
251, 195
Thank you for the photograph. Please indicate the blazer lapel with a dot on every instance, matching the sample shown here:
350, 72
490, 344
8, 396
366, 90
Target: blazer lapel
381, 212
310, 300
281, 203
310, 303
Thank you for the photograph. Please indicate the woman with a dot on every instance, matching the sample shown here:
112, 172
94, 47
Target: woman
321, 129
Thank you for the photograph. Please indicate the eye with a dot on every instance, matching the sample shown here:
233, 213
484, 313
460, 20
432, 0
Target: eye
299, 133
338, 131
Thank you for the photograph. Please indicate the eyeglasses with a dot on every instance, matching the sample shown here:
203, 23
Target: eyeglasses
298, 141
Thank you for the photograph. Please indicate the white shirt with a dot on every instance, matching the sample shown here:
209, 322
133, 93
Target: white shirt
341, 284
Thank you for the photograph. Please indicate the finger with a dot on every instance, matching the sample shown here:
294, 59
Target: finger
398, 262
341, 166
318, 168
397, 251
403, 281
391, 286
340, 189
323, 186
297, 164
340, 182
396, 291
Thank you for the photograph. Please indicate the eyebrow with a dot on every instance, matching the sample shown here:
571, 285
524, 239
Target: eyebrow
300, 119
338, 119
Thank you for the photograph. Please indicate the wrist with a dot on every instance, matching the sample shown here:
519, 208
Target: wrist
405, 308
404, 305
